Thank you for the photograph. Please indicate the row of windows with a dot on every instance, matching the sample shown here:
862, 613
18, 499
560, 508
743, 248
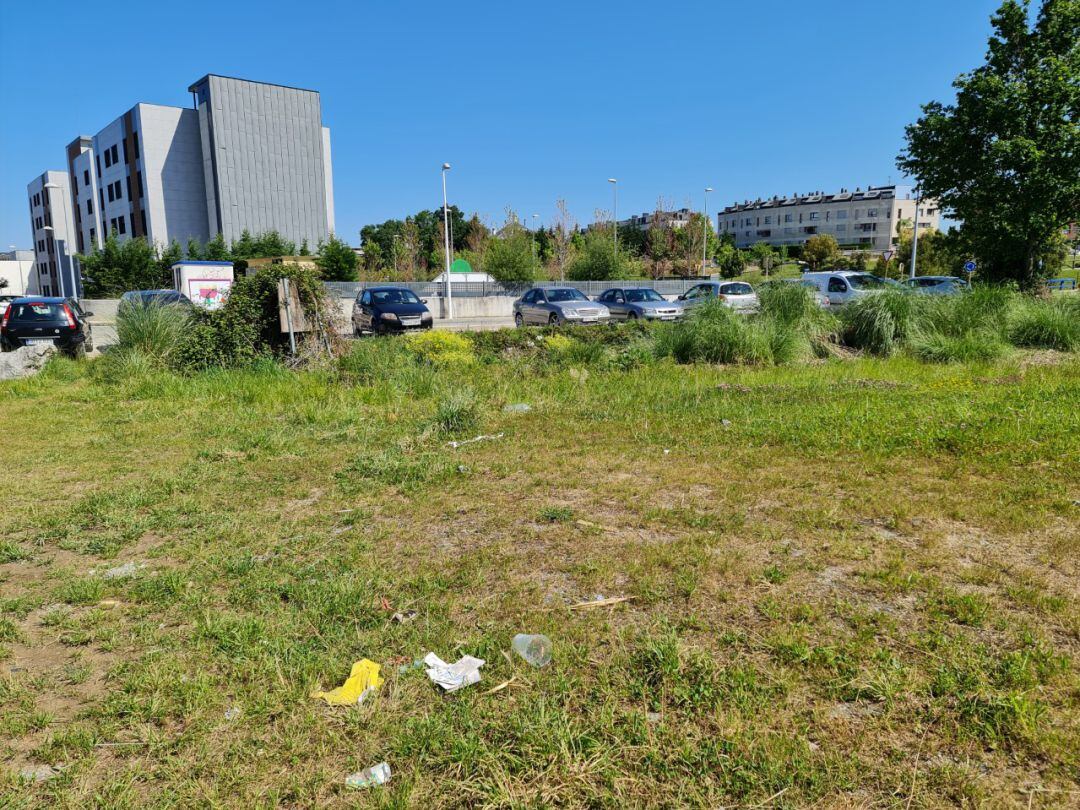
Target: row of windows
812, 229
37, 199
872, 213
112, 155
120, 223
116, 191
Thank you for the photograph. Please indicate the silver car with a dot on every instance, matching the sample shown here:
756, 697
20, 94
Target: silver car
937, 285
553, 306
738, 295
629, 303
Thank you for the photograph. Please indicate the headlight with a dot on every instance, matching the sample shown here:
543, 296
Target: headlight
425, 316
389, 316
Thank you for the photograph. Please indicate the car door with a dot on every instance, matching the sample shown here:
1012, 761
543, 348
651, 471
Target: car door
617, 304
365, 318
538, 309
838, 291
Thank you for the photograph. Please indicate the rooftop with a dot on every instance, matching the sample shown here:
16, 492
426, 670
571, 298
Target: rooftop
818, 197
249, 81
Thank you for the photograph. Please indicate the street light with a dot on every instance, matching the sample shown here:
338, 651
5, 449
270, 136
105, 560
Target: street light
705, 231
615, 212
71, 287
535, 217
915, 232
446, 237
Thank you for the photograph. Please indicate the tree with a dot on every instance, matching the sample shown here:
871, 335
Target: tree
820, 250
117, 267
168, 257
1005, 157
565, 225
193, 251
510, 256
597, 260
216, 250
304, 249
658, 245
336, 260
271, 245
244, 247
764, 255
729, 259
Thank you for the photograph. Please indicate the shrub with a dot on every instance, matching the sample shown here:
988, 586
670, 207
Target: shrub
788, 303
881, 322
441, 349
715, 334
154, 331
969, 347
369, 360
1053, 324
457, 412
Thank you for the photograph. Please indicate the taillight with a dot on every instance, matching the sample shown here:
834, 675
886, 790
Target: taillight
722, 297
69, 316
7, 317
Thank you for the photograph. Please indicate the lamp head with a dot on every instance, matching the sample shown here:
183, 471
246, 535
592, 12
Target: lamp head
446, 167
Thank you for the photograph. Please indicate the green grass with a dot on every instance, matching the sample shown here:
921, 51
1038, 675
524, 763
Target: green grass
852, 581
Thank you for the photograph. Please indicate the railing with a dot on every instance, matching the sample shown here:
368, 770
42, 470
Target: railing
481, 289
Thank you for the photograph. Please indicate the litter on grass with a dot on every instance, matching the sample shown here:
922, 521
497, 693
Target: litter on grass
593, 603
401, 618
451, 677
518, 407
363, 681
484, 438
128, 569
536, 649
369, 777
233, 713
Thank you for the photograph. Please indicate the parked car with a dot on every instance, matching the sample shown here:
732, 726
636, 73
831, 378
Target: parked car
629, 303
738, 295
819, 297
937, 285
382, 310
558, 305
4, 301
153, 298
39, 319
841, 286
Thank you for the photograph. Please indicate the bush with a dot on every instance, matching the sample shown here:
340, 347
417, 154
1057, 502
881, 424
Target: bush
715, 334
156, 332
881, 322
969, 347
1053, 324
441, 349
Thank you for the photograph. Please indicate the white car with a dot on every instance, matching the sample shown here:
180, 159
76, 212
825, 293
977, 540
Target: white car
819, 297
738, 295
841, 286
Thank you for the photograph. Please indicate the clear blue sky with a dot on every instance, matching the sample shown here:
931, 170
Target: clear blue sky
530, 102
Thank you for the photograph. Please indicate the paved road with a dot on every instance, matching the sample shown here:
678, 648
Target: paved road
105, 331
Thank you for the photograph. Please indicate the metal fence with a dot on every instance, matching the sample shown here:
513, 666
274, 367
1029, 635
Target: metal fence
481, 289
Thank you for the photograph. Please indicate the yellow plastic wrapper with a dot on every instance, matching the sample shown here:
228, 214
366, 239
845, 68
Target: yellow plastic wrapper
364, 676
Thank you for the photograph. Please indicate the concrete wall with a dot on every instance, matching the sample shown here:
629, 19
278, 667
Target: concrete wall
170, 154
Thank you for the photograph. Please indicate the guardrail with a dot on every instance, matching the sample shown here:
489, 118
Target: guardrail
481, 289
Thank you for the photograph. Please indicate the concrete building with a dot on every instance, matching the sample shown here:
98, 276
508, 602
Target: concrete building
18, 269
53, 226
858, 220
247, 156
670, 219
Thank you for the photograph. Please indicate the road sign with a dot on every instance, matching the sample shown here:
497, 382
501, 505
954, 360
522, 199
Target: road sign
969, 266
887, 255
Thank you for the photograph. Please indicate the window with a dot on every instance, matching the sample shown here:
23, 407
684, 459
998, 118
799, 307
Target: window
841, 228
841, 214
108, 159
788, 231
101, 198
617, 297
120, 222
119, 190
815, 215
138, 183
129, 186
871, 212
135, 143
789, 218
143, 217
768, 220
124, 144
836, 284
92, 240
89, 205
112, 194
115, 154
37, 199
97, 165
86, 177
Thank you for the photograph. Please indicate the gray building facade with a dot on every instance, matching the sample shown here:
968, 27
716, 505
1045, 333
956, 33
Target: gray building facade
52, 222
265, 159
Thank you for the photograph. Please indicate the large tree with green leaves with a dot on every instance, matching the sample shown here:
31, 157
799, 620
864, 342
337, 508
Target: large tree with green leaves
117, 267
336, 260
1005, 157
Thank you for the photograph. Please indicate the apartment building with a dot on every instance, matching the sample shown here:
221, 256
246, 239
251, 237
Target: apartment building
858, 220
52, 224
669, 219
246, 156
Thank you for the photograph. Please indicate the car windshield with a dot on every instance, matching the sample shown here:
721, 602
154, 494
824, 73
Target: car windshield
37, 311
640, 296
395, 297
736, 289
565, 294
865, 281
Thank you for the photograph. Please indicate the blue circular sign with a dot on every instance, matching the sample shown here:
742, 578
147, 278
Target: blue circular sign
969, 266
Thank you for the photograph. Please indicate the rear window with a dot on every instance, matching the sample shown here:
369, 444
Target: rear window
37, 311
736, 289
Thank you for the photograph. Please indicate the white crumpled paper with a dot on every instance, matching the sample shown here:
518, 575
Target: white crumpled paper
451, 677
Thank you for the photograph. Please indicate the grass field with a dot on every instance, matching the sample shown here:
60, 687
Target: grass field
854, 584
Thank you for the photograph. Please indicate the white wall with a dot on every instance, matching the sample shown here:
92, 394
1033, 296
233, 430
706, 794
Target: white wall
171, 158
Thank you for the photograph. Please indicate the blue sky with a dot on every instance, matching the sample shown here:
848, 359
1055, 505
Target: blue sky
530, 102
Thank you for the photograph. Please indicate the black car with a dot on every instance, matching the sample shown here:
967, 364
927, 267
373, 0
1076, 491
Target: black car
153, 298
380, 310
41, 319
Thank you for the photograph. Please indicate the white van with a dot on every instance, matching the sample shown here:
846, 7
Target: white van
841, 286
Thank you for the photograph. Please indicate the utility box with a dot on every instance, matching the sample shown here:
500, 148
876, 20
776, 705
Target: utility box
207, 284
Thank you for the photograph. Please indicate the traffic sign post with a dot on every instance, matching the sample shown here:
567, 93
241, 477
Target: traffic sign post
969, 266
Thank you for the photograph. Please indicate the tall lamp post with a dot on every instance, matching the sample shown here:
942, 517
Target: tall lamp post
615, 213
535, 223
705, 231
68, 286
446, 237
915, 232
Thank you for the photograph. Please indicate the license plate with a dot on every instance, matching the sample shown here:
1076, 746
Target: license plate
35, 341
410, 321
588, 320
667, 317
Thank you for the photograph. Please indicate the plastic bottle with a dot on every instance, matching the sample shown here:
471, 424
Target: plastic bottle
536, 649
369, 777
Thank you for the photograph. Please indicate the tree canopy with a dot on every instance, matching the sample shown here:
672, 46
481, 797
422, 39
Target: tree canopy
1005, 157
336, 260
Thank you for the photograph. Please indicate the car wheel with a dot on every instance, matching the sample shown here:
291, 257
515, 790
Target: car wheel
553, 320
518, 320
357, 331
631, 316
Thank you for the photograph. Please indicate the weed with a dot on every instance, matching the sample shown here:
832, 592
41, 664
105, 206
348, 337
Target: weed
555, 514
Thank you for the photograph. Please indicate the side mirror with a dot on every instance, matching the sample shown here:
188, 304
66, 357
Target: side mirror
423, 300
682, 297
